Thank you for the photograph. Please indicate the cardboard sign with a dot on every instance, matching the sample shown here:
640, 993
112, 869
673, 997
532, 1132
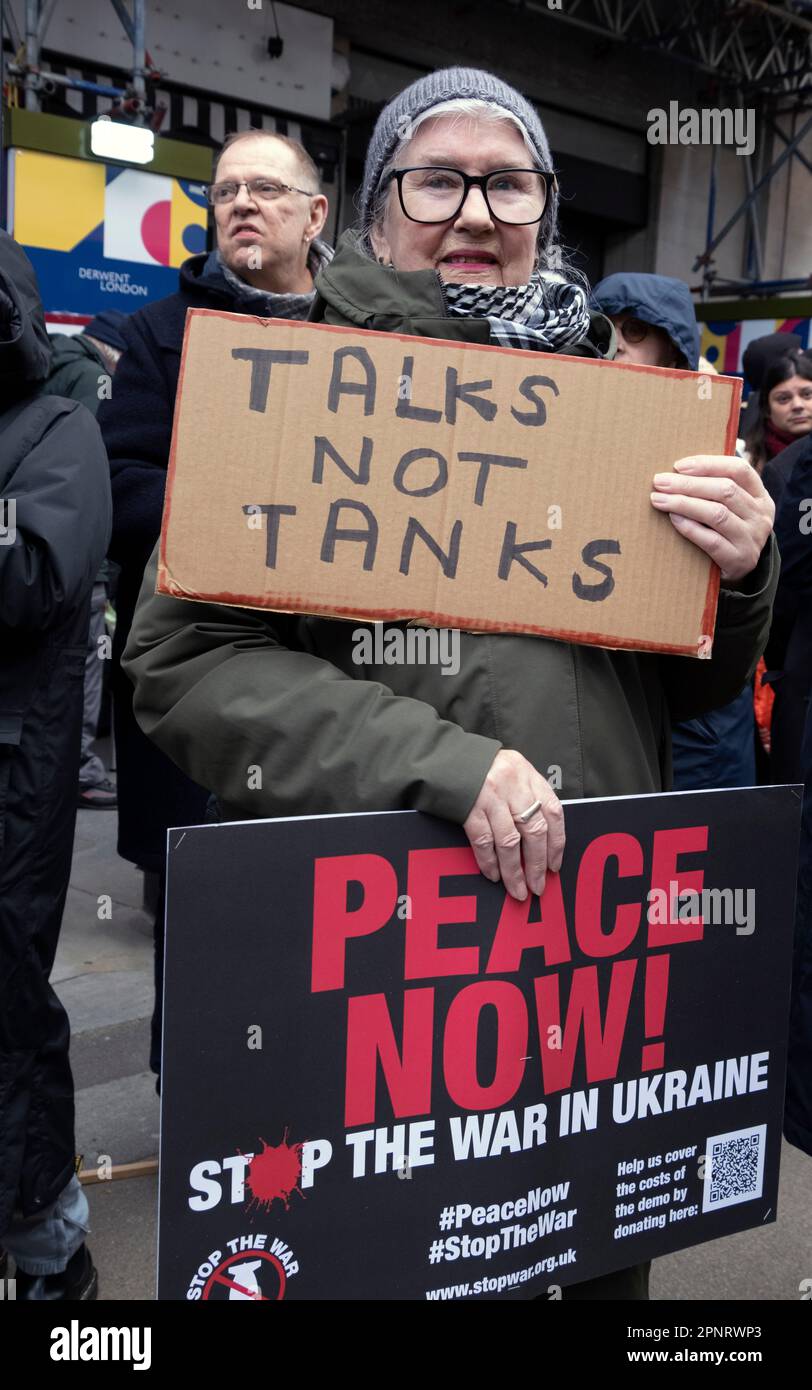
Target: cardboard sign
376, 475
383, 1078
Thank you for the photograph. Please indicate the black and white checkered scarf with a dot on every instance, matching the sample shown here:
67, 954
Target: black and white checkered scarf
546, 313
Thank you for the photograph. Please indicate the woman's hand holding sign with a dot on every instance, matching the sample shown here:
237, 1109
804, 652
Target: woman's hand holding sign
508, 842
722, 506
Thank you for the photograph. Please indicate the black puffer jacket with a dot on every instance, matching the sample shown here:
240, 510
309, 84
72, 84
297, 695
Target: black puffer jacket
789, 649
54, 481
794, 707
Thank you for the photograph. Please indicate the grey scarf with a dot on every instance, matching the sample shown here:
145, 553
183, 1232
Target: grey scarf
264, 303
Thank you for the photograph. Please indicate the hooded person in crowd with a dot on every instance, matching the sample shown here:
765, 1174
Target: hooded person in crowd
82, 367
655, 324
457, 241
654, 319
55, 516
268, 214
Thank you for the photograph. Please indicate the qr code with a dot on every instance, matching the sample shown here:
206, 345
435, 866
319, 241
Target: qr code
734, 1167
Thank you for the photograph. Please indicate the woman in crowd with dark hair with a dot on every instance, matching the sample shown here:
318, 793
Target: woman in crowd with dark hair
785, 408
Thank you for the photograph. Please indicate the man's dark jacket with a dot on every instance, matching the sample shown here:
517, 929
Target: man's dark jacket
53, 467
798, 1110
777, 470
793, 529
137, 427
789, 649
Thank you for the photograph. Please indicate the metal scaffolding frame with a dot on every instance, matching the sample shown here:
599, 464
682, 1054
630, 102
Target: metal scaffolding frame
754, 47
753, 53
703, 261
27, 47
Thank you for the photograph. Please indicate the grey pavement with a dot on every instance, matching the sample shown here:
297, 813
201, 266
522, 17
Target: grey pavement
103, 973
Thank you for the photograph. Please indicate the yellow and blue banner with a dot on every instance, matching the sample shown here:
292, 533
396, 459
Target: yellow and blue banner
102, 236
725, 341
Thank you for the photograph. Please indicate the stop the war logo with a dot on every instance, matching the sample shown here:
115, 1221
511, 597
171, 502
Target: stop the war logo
254, 1268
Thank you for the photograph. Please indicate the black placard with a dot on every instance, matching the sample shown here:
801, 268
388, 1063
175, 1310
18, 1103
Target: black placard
385, 1079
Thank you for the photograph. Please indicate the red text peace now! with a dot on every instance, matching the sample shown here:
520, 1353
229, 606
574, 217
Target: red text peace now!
407, 1069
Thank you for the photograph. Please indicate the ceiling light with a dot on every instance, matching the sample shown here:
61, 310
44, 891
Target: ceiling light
133, 144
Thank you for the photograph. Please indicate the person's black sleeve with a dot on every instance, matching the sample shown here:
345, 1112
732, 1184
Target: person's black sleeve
694, 686
778, 470
62, 516
793, 530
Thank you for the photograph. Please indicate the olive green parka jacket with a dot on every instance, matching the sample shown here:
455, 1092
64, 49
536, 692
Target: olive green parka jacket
224, 691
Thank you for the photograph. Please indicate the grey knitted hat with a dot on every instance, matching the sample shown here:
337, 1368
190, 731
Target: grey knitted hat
447, 85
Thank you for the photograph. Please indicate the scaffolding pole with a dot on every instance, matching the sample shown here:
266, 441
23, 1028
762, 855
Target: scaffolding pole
755, 230
38, 15
139, 84
31, 55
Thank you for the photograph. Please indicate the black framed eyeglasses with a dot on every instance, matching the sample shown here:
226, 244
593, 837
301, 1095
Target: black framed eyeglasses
264, 190
436, 193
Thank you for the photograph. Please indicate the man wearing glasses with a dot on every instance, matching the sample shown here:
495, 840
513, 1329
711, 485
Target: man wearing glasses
268, 215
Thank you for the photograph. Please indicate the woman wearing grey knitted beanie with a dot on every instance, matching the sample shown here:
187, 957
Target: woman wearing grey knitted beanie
492, 243
473, 98
457, 241
459, 199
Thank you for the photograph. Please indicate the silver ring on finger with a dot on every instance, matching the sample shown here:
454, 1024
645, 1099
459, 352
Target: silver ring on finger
527, 815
